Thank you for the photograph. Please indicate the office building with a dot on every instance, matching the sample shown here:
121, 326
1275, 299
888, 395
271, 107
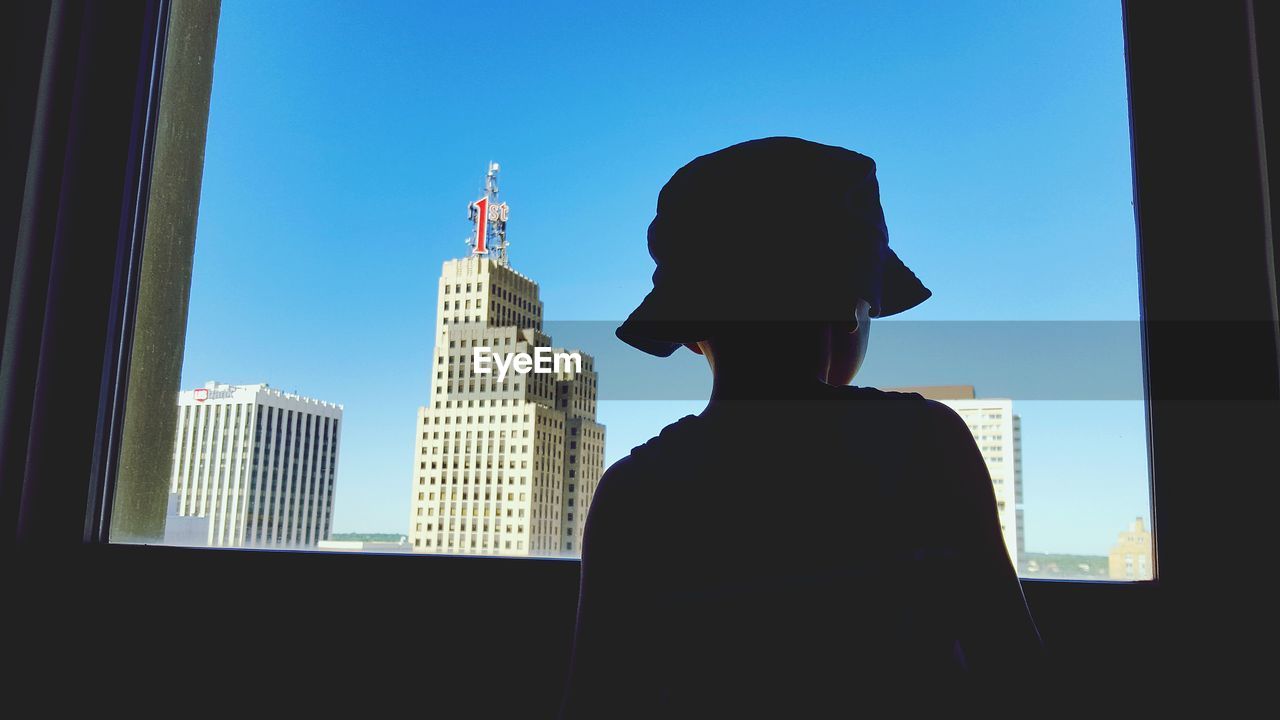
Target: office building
1130, 557
503, 465
257, 465
184, 530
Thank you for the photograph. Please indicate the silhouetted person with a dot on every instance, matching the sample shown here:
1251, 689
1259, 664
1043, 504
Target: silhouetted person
801, 548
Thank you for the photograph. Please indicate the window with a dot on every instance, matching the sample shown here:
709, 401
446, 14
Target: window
1098, 429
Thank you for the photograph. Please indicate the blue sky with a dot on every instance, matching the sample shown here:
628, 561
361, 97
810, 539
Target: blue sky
346, 139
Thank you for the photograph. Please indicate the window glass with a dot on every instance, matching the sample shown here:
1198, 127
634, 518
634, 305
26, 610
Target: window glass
361, 155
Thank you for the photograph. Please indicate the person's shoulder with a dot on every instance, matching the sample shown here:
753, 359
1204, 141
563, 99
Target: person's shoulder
909, 408
671, 438
953, 448
945, 419
871, 394
636, 467
625, 494
909, 401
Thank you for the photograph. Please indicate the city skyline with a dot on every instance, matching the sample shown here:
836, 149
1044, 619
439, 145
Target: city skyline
348, 215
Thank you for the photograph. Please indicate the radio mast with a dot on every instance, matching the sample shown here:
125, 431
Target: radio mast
490, 219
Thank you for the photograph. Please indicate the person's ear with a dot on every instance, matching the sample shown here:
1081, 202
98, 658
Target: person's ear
847, 327
694, 347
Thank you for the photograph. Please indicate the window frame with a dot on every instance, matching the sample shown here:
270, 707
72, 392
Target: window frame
1173, 95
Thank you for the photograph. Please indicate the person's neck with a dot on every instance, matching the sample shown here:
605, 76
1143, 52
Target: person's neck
741, 387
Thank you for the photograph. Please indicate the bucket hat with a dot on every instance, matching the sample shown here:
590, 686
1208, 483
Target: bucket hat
773, 230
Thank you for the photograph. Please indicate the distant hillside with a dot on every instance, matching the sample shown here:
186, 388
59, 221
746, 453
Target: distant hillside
367, 537
1063, 567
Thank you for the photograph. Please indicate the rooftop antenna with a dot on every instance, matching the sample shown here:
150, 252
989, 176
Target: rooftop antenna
490, 219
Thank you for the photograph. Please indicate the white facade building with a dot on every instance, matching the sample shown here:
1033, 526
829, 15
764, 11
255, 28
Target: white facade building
998, 433
258, 464
501, 467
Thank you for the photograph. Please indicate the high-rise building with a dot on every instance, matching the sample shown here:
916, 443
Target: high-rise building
504, 464
1130, 557
259, 465
998, 433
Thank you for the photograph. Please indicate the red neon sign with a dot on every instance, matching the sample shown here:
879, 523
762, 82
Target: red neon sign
482, 225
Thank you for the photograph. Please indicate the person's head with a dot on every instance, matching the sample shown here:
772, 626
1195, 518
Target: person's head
829, 351
772, 244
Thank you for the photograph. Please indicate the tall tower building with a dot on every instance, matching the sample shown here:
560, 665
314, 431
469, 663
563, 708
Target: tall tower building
258, 465
998, 432
503, 464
